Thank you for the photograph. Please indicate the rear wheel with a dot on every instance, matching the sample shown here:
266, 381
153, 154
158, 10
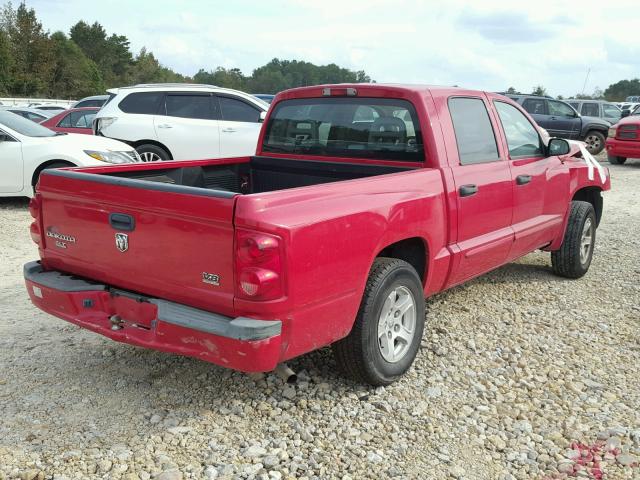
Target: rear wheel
388, 329
614, 160
573, 258
152, 153
595, 142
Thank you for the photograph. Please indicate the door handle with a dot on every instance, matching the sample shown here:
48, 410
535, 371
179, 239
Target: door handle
523, 179
553, 118
122, 221
228, 130
468, 190
165, 125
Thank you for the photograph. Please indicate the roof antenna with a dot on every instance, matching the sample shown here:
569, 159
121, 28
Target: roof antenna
585, 80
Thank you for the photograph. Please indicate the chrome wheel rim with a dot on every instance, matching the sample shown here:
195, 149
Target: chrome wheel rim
397, 324
149, 157
586, 241
593, 142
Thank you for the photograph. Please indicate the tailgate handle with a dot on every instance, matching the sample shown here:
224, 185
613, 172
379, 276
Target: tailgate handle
122, 221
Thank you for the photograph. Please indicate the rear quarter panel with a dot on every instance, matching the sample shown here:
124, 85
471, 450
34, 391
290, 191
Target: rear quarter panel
332, 233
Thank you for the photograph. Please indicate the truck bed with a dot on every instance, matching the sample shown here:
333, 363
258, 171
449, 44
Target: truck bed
258, 175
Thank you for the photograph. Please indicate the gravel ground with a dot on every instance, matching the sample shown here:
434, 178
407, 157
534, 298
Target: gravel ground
522, 375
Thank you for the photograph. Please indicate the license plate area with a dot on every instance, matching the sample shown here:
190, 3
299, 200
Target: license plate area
132, 309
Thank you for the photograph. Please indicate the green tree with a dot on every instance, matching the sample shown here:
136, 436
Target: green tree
617, 92
539, 90
147, 69
221, 77
511, 91
74, 75
5, 63
30, 49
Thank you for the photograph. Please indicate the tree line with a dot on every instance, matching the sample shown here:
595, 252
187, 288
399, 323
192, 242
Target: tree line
616, 92
88, 60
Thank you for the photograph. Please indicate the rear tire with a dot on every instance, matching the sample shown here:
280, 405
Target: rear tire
152, 153
573, 258
595, 142
614, 160
388, 328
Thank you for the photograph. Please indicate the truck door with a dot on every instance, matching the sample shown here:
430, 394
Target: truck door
540, 184
483, 190
567, 123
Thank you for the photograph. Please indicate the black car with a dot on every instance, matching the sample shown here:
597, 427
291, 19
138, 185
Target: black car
562, 120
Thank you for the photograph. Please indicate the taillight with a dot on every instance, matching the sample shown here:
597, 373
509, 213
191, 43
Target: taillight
258, 266
34, 211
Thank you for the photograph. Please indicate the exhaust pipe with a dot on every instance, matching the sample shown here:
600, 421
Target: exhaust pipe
285, 373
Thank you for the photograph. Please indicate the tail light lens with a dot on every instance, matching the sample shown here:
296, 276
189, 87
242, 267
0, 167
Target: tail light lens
34, 211
258, 266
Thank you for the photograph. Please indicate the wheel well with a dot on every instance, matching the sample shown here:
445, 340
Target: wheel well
36, 174
411, 250
151, 142
593, 195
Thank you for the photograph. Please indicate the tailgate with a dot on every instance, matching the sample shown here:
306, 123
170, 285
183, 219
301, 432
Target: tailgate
163, 241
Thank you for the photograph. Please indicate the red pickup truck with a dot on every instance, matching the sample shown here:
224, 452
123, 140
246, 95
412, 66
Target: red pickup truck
360, 201
624, 140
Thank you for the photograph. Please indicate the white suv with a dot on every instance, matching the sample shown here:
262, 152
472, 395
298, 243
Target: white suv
182, 121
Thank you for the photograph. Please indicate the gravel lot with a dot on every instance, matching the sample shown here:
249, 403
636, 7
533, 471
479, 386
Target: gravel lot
522, 375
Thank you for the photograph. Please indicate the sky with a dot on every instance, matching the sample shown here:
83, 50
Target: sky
481, 44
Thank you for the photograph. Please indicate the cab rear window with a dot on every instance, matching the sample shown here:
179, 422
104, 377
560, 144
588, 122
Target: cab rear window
376, 128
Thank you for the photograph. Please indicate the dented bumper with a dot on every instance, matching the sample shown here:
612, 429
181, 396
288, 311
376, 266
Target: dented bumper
243, 344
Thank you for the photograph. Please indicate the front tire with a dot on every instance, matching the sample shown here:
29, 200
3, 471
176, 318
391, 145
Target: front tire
388, 328
573, 258
615, 160
152, 153
595, 142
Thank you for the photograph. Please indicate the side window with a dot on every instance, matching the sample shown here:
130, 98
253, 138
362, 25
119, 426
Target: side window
141, 102
474, 133
575, 105
535, 106
560, 109
82, 119
189, 106
65, 122
522, 137
611, 111
590, 109
34, 117
238, 111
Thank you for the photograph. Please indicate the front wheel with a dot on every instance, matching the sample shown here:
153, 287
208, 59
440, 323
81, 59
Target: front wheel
615, 160
595, 142
388, 329
152, 153
573, 258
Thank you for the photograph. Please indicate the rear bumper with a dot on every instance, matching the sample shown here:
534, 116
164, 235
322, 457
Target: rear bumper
623, 148
244, 344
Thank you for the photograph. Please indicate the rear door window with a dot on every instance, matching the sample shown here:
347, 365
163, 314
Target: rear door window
146, 103
590, 109
474, 133
189, 106
234, 110
561, 109
536, 106
376, 128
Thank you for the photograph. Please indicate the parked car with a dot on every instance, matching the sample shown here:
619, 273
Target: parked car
74, 120
632, 99
629, 108
561, 120
27, 149
624, 139
93, 101
360, 200
183, 121
265, 97
32, 114
597, 108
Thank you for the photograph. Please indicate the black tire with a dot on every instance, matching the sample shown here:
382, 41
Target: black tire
152, 152
36, 176
613, 160
569, 261
595, 141
359, 354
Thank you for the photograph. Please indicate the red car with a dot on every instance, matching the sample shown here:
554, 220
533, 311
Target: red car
74, 120
624, 140
360, 201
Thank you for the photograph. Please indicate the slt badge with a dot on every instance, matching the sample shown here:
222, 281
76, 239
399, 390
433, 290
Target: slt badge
122, 242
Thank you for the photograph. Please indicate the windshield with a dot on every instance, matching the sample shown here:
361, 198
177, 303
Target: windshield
375, 128
23, 126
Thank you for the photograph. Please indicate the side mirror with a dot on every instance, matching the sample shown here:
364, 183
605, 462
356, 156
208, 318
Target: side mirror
625, 113
558, 147
263, 115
